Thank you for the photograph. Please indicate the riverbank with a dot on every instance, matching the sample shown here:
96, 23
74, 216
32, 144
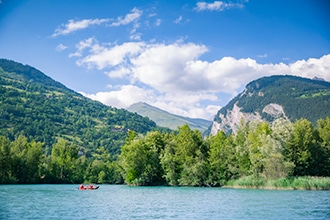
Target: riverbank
292, 183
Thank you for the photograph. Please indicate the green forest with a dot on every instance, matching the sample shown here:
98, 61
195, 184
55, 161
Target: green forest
259, 151
41, 109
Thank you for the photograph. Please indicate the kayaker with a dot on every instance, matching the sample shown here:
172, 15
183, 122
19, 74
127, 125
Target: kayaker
81, 186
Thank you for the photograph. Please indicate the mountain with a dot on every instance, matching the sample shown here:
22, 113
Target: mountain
273, 97
34, 105
166, 119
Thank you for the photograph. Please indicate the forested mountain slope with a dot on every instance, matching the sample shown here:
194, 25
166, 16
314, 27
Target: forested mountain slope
166, 119
34, 105
272, 97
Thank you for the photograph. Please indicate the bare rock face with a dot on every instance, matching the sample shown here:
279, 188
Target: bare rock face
230, 122
274, 110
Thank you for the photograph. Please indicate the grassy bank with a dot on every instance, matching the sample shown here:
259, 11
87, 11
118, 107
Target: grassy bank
292, 183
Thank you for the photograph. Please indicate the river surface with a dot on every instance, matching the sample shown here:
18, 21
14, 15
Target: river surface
125, 202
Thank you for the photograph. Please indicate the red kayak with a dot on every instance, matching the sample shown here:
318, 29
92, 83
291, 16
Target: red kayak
90, 187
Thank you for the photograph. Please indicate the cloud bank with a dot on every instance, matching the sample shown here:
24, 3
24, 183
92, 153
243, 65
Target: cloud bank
174, 78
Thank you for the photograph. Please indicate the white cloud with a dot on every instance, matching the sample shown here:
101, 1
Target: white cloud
184, 104
178, 81
133, 34
158, 22
73, 26
152, 15
312, 67
178, 20
81, 46
162, 66
263, 55
60, 47
132, 17
122, 98
216, 6
129, 18
119, 72
104, 57
85, 44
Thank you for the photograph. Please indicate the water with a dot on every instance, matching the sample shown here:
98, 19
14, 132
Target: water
124, 202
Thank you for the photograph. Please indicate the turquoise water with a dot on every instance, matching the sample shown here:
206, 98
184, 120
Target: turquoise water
124, 202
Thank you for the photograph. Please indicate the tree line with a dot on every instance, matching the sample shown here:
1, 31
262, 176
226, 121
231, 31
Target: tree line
23, 161
180, 158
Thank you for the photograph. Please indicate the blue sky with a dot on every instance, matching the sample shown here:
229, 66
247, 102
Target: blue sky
186, 57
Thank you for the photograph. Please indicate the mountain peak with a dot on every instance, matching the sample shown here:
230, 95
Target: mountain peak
269, 98
166, 119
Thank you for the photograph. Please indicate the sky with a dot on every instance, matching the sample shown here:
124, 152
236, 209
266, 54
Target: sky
186, 57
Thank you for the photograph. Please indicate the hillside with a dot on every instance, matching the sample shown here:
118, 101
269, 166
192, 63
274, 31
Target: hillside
166, 119
36, 106
272, 97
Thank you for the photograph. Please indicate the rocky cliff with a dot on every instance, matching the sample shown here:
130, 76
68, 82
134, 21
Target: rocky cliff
269, 98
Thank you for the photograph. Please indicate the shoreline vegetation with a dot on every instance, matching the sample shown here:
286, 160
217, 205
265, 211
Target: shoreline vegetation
250, 182
294, 183
282, 155
291, 183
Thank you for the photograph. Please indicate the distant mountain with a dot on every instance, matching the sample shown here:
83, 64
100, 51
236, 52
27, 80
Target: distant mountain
273, 97
166, 119
36, 106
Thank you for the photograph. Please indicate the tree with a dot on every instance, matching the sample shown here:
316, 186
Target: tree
33, 158
323, 157
140, 159
222, 159
155, 142
275, 165
101, 168
5, 160
63, 160
256, 147
184, 159
242, 151
323, 126
19, 150
26, 158
302, 147
218, 162
170, 164
93, 170
133, 159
